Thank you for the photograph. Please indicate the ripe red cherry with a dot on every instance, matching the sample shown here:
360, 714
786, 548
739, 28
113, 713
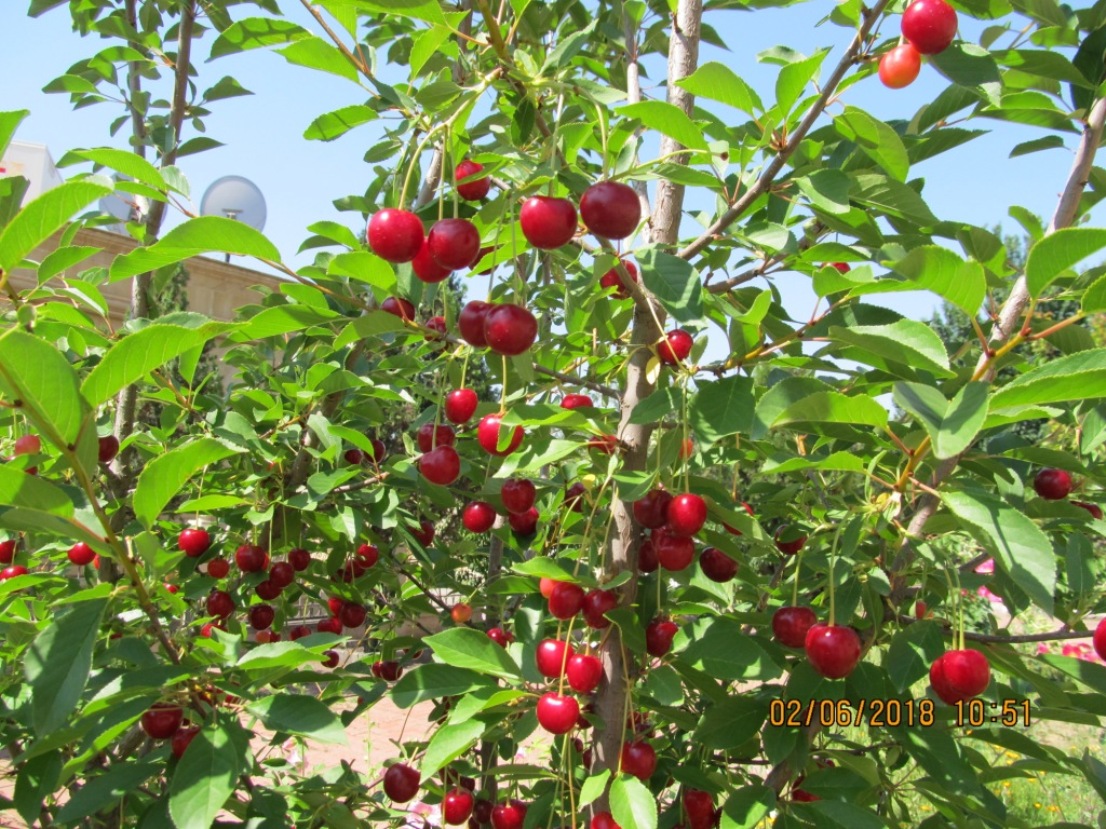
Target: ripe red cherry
436, 324
639, 759
557, 713
840, 267
218, 568
108, 448
611, 209
401, 782
597, 603
268, 590
261, 616
960, 675
354, 456
787, 541
251, 558
686, 514
518, 495
675, 347
647, 561
603, 820
546, 585
460, 405
429, 436
471, 191
674, 552
584, 672
441, 466
470, 322
379, 452
651, 510
833, 650
193, 542
181, 739
1053, 484
457, 806
478, 517
509, 329
299, 558
162, 721
576, 401
658, 636
219, 603
367, 555
488, 434
399, 307
330, 657
482, 811
551, 657
547, 222
460, 613
282, 574
790, 625
352, 614
929, 25
508, 815
387, 669
28, 445
427, 268
395, 235
566, 600
331, 625
454, 243
423, 533
1100, 639
611, 279
13, 571
500, 637
900, 66
699, 808
7, 551
574, 497
524, 523
81, 554
717, 566
1094, 509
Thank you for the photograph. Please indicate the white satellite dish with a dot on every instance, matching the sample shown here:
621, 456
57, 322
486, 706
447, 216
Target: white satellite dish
235, 197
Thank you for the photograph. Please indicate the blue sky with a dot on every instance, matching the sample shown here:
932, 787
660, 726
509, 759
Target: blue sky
263, 132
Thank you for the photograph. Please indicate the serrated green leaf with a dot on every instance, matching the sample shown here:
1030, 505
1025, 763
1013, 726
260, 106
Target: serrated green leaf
434, 681
876, 139
632, 804
940, 270
36, 373
717, 82
731, 722
42, 217
163, 477
203, 234
912, 651
299, 714
833, 407
448, 743
827, 190
1057, 252
971, 66
951, 425
1094, 298
667, 119
1080, 376
58, 663
722, 407
908, 343
315, 53
335, 124
205, 778
471, 649
593, 787
255, 32
674, 282
9, 123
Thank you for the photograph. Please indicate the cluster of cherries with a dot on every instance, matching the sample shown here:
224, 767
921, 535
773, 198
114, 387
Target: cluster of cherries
928, 27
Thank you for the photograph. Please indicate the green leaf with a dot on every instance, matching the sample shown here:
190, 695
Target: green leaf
335, 124
723, 407
970, 66
165, 475
448, 743
731, 722
836, 814
793, 79
1094, 298
39, 219
667, 119
653, 408
299, 714
1080, 376
202, 234
717, 82
36, 373
428, 10
593, 788
127, 163
827, 190
1044, 63
892, 198
747, 807
952, 426
9, 123
876, 139
720, 648
1049, 142
1019, 545
833, 407
255, 32
1057, 252
315, 53
205, 778
908, 343
18, 489
104, 791
276, 655
677, 285
912, 651
63, 259
434, 681
632, 804
468, 648
365, 267
284, 319
58, 662
223, 89
938, 269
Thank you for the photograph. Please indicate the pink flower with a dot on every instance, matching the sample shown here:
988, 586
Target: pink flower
988, 595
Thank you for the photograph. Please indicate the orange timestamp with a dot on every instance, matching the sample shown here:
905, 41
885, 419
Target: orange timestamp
892, 713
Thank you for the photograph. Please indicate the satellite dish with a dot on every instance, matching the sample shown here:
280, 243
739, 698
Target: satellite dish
235, 197
120, 205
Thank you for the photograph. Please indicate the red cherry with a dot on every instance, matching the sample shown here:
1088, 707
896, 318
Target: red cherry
546, 585
282, 574
194, 542
426, 267
508, 815
219, 603
218, 568
1094, 509
960, 675
108, 448
482, 811
460, 405
368, 554
488, 435
478, 517
379, 452
437, 325
388, 670
551, 656
454, 243
1053, 484
399, 307
424, 533
268, 590
457, 806
330, 658
840, 267
603, 820
28, 445
658, 636
584, 672
518, 495
651, 510
699, 808
181, 739
524, 523
900, 66
557, 713
509, 329
429, 436
331, 625
7, 551
611, 279
565, 600
81, 554
647, 561
597, 603
441, 466
500, 637
639, 759
13, 571
471, 191
354, 457
576, 401
734, 530
674, 552
833, 650
1100, 639
298, 632
401, 782
920, 610
675, 347
352, 614
460, 613
261, 616
299, 558
788, 541
574, 497
611, 209
395, 235
251, 558
790, 625
686, 514
929, 25
608, 444
470, 322
717, 566
547, 222
162, 721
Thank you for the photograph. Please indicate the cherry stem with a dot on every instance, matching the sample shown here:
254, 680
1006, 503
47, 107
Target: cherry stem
833, 552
